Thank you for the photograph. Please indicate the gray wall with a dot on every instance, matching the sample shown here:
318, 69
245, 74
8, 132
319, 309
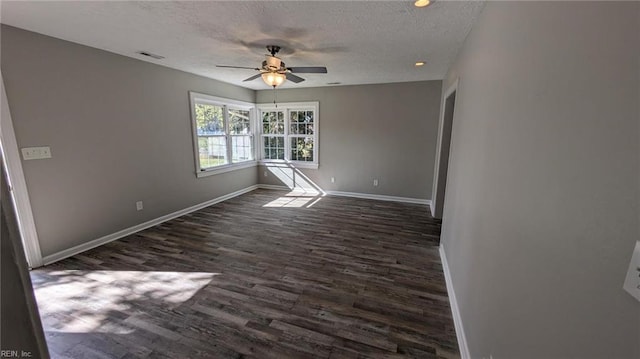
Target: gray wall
384, 131
541, 213
119, 131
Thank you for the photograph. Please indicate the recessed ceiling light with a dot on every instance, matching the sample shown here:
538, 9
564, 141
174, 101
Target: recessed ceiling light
422, 3
420, 63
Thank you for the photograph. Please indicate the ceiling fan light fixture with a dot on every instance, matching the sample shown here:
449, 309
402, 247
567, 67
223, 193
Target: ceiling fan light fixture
422, 3
273, 79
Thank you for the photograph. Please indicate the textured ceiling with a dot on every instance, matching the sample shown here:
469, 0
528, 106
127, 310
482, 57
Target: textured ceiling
359, 42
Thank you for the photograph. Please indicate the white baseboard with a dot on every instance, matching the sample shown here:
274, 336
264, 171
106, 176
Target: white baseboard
455, 310
137, 228
308, 191
380, 197
432, 207
274, 187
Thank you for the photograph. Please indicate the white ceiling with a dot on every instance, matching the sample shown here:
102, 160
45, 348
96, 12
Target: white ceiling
359, 42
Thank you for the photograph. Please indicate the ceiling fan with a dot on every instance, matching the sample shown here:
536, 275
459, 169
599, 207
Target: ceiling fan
274, 72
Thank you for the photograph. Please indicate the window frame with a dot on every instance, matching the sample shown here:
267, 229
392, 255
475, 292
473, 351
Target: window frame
226, 104
287, 108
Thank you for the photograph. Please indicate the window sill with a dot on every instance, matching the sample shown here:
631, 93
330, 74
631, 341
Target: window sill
294, 164
226, 168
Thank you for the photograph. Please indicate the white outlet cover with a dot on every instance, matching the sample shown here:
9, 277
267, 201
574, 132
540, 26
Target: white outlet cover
632, 281
35, 153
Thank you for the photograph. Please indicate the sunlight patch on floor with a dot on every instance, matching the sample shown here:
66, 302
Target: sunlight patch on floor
295, 202
296, 199
82, 301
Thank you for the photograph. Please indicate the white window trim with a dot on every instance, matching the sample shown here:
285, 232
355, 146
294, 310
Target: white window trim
229, 103
286, 107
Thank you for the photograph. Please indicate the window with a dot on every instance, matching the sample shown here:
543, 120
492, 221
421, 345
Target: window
273, 135
222, 132
290, 133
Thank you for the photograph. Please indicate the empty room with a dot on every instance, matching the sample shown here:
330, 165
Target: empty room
320, 179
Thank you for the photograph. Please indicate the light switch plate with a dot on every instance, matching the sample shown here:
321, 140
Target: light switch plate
632, 281
36, 153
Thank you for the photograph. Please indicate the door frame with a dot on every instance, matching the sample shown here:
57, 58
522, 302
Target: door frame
17, 184
441, 167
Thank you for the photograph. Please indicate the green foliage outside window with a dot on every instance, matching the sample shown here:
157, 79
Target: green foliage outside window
209, 119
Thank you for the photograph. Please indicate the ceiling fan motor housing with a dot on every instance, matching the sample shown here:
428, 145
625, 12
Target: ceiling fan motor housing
273, 63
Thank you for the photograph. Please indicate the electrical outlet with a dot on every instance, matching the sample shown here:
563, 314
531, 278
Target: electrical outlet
333, 180
265, 173
375, 182
139, 206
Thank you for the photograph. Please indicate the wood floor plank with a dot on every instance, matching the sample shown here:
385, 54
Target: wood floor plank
345, 278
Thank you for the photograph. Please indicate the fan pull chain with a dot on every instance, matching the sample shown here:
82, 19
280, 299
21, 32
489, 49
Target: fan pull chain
275, 96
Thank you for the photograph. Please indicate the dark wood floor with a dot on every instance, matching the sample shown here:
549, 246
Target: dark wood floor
263, 275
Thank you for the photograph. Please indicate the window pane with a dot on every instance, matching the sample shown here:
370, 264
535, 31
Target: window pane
241, 148
212, 151
209, 119
302, 148
301, 128
273, 147
273, 122
301, 123
239, 122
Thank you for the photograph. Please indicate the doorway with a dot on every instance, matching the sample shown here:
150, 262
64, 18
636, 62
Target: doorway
442, 152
